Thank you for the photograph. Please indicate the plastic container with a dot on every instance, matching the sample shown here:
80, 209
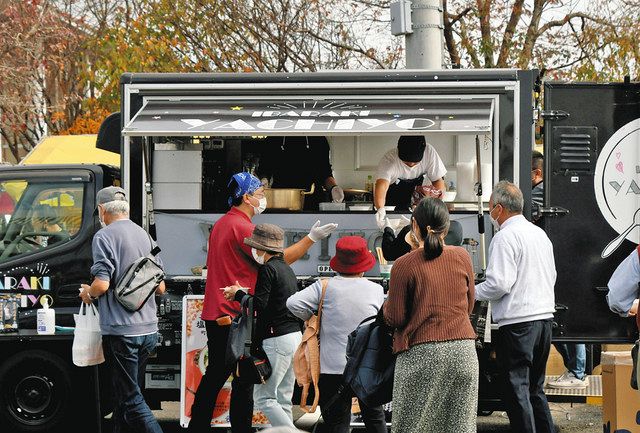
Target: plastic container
9, 304
449, 196
46, 317
368, 185
361, 207
330, 206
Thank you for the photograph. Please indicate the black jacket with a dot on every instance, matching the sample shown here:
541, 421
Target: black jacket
276, 282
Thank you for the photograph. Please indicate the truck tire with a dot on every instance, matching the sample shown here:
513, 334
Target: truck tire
35, 391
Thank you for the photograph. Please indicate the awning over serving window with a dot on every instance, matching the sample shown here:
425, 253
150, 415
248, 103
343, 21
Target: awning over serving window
310, 117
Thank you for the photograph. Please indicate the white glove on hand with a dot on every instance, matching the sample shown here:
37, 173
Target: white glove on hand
337, 194
381, 215
319, 232
389, 223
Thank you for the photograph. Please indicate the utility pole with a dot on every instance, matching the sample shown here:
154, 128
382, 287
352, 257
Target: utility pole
420, 21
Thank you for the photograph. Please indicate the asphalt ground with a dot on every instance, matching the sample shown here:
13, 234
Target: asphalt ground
567, 417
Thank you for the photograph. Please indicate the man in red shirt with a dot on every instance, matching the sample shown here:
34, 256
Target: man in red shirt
229, 261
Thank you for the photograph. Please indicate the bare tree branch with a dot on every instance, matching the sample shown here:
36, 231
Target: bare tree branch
366, 53
505, 48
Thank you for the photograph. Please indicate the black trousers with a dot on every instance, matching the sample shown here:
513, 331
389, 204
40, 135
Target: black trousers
522, 351
337, 417
241, 411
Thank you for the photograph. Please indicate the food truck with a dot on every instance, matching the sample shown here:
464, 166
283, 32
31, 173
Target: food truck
181, 137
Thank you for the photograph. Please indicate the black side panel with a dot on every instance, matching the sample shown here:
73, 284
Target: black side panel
109, 133
135, 158
572, 145
527, 79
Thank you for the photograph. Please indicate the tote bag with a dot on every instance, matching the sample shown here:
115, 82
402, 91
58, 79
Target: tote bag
87, 339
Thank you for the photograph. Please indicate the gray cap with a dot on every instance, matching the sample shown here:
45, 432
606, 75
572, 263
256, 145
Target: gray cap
109, 194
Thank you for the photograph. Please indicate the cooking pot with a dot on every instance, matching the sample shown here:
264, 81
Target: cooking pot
352, 194
287, 198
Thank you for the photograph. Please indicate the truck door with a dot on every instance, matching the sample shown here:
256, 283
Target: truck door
592, 170
46, 226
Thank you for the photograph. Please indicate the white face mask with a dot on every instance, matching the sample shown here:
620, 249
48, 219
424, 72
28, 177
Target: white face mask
256, 257
496, 224
262, 205
102, 223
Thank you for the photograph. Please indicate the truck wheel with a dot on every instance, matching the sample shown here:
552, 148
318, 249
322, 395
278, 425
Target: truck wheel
35, 390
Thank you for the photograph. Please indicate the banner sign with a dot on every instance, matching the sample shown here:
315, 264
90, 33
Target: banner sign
310, 117
195, 356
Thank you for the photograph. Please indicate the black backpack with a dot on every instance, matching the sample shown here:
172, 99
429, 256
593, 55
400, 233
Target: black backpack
370, 361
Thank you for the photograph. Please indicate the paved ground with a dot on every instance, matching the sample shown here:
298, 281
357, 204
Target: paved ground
568, 419
574, 418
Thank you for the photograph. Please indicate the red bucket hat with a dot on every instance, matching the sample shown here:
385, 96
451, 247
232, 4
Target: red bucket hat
352, 256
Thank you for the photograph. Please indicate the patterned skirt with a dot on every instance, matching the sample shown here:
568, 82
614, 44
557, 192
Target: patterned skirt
435, 388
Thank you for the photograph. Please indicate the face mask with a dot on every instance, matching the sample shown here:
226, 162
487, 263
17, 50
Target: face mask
495, 223
262, 205
102, 223
414, 234
256, 257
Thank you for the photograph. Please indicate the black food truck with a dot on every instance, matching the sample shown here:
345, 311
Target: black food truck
181, 137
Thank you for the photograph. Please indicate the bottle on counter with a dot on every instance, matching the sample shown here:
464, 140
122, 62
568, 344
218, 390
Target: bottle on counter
368, 185
471, 245
46, 317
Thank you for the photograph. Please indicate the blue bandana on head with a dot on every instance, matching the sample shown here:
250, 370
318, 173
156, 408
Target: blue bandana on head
247, 184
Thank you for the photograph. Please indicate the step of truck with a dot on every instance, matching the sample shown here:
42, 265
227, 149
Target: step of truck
594, 389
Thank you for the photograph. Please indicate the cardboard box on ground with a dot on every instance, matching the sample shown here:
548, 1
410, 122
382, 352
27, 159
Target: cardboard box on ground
621, 403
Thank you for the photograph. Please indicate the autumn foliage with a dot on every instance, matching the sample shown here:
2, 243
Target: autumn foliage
61, 60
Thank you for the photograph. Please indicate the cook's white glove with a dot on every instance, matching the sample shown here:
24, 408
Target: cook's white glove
319, 232
381, 215
389, 223
337, 194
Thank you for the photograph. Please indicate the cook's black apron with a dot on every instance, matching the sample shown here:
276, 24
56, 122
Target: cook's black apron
399, 194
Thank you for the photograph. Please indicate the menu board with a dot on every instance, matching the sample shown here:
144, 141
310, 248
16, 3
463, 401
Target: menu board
194, 363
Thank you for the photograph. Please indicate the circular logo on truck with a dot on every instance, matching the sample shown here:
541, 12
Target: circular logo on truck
617, 185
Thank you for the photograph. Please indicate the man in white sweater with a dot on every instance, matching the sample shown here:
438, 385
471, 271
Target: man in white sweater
520, 278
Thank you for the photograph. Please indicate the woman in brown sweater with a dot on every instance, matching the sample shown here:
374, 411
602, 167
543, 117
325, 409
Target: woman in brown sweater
431, 295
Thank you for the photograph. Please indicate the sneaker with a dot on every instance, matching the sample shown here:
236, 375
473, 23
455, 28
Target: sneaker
569, 380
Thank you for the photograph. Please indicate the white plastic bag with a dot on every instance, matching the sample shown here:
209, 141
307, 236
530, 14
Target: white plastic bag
87, 340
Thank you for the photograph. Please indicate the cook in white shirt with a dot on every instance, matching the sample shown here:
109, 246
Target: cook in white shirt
402, 169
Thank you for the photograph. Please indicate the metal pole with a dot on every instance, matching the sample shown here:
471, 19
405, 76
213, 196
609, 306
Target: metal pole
424, 45
478, 188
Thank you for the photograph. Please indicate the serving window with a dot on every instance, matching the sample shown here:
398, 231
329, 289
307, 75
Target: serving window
198, 143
